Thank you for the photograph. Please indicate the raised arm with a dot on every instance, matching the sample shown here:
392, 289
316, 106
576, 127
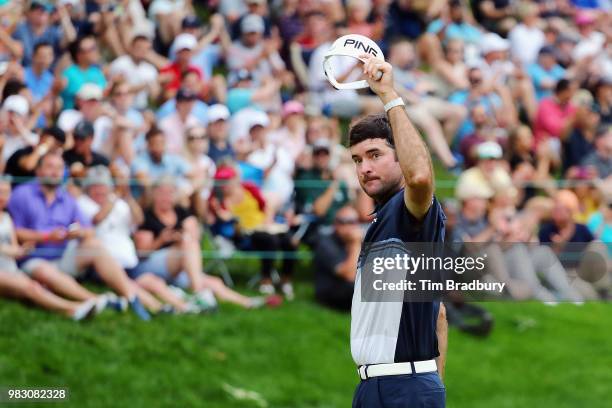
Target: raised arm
412, 154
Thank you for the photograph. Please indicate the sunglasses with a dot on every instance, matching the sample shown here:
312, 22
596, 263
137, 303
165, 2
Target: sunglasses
196, 137
347, 221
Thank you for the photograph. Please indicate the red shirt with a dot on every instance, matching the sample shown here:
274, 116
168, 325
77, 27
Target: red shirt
176, 72
551, 118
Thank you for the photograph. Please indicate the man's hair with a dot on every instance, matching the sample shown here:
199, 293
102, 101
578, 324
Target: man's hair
371, 127
41, 44
75, 47
562, 85
50, 153
154, 131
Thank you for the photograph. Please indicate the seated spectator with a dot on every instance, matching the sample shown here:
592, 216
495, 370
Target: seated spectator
40, 80
580, 141
292, 135
192, 84
526, 38
496, 16
258, 7
169, 241
219, 147
563, 229
335, 260
202, 167
600, 223
171, 75
14, 118
22, 164
15, 283
156, 162
438, 118
601, 158
245, 93
237, 212
358, 13
483, 131
48, 216
450, 69
455, 27
175, 124
81, 156
319, 191
603, 100
85, 69
555, 115
545, 72
253, 53
134, 69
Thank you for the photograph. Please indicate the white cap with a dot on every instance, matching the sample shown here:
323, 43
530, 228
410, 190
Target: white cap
184, 41
67, 2
258, 118
252, 23
90, 91
350, 45
492, 42
68, 119
17, 104
489, 150
218, 112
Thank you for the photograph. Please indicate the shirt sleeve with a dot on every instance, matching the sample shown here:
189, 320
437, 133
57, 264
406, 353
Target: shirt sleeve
18, 210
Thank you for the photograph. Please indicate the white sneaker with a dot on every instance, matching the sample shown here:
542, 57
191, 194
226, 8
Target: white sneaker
287, 289
205, 300
178, 292
267, 289
85, 311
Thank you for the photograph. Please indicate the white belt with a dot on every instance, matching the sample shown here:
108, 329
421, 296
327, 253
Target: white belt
377, 370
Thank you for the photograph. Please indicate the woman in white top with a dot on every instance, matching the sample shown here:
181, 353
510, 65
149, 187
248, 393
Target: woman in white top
16, 284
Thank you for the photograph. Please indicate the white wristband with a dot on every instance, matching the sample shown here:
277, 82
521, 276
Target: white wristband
392, 104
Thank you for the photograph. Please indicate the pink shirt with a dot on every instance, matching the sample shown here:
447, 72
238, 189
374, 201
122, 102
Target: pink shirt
174, 129
550, 119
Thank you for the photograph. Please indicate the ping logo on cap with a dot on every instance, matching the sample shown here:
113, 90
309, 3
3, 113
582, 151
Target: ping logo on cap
358, 44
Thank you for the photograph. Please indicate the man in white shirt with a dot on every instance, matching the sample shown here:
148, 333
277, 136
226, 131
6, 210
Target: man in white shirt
526, 38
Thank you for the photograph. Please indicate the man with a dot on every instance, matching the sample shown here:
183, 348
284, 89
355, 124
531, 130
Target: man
85, 69
81, 156
22, 163
218, 131
39, 78
335, 259
175, 124
545, 72
171, 75
394, 168
47, 215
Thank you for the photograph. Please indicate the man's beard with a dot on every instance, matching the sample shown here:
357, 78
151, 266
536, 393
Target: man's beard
50, 183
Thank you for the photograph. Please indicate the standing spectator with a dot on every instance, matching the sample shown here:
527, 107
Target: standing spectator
219, 147
85, 69
22, 164
335, 260
48, 216
137, 71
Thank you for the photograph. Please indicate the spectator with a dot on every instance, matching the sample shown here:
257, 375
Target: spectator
545, 73
171, 75
191, 83
85, 69
15, 116
39, 79
562, 229
483, 131
603, 100
175, 124
81, 156
555, 115
320, 192
22, 164
335, 260
237, 213
580, 142
450, 68
170, 236
219, 147
203, 168
601, 158
137, 71
62, 235
245, 93
526, 38
292, 135
455, 26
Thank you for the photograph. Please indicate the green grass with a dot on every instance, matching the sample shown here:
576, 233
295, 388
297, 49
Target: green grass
297, 356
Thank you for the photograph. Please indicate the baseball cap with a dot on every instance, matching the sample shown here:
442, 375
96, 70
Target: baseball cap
584, 17
489, 150
259, 118
98, 175
291, 107
252, 23
240, 75
492, 42
40, 5
547, 49
320, 145
83, 130
89, 91
218, 112
55, 132
184, 41
191, 22
17, 104
184, 94
225, 173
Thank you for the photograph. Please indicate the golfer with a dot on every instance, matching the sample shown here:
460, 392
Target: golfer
399, 347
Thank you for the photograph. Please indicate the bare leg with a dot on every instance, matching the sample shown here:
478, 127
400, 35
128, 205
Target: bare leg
92, 253
434, 134
159, 288
187, 258
61, 283
216, 284
148, 300
18, 285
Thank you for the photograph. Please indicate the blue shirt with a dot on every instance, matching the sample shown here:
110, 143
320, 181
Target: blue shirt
199, 110
170, 165
393, 332
29, 209
76, 77
24, 34
217, 154
39, 86
239, 98
464, 31
538, 74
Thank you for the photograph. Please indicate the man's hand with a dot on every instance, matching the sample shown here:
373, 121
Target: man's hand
383, 87
56, 235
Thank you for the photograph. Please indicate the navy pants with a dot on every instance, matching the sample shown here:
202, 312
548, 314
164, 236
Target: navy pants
401, 391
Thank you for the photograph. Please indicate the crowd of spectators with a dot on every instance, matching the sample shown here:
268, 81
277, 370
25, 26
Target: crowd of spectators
131, 128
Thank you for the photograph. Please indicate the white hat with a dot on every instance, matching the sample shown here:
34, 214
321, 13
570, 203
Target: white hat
90, 91
492, 42
252, 23
218, 112
351, 45
17, 104
68, 119
489, 150
68, 2
184, 41
258, 118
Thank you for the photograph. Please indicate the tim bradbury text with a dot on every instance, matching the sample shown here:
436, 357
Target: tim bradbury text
429, 285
